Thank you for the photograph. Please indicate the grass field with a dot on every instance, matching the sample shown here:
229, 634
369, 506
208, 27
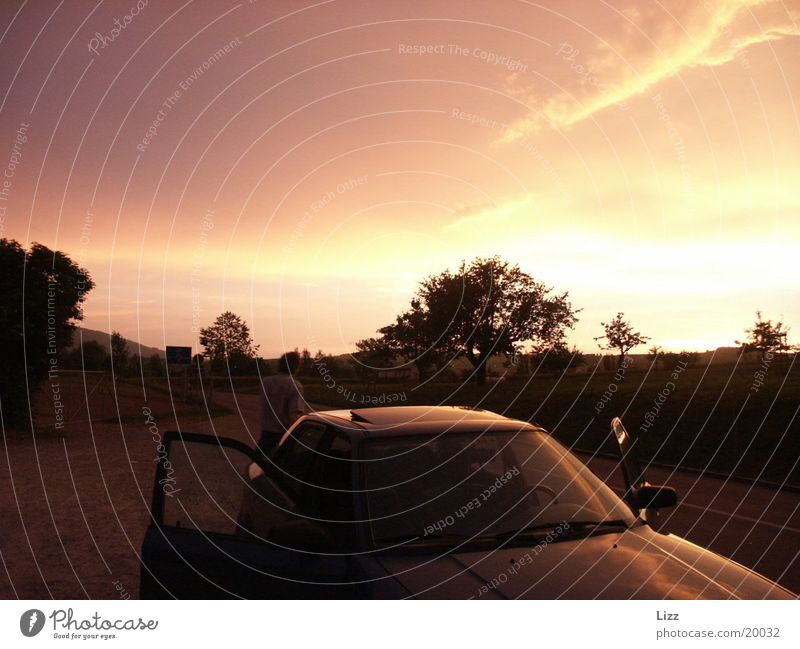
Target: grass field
97, 397
715, 418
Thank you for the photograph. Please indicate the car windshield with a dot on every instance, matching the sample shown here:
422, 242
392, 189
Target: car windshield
466, 486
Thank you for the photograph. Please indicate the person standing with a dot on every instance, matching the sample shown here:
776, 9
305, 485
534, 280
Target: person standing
282, 401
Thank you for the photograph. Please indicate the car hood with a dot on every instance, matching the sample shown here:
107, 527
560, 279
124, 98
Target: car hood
638, 563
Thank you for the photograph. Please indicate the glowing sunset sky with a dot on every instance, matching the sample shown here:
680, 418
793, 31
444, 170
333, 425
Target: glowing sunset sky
308, 163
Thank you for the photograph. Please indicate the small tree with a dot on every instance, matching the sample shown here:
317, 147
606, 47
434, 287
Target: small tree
119, 353
766, 337
135, 365
373, 353
413, 338
264, 367
234, 364
155, 365
91, 356
327, 361
620, 336
227, 341
557, 359
306, 367
654, 354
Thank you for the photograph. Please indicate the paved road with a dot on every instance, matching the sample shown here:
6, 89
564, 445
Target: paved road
757, 526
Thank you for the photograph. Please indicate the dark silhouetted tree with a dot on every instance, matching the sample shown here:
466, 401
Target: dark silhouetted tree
372, 354
766, 337
119, 353
620, 336
227, 339
558, 359
264, 367
155, 365
654, 354
413, 338
329, 362
42, 295
91, 356
485, 308
135, 365
306, 367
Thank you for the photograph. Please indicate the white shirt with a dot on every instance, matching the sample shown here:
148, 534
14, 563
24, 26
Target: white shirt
282, 402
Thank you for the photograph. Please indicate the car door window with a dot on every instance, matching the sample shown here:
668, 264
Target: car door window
297, 457
201, 486
264, 505
328, 495
329, 492
205, 540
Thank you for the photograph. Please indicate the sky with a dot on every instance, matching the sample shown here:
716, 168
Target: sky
306, 164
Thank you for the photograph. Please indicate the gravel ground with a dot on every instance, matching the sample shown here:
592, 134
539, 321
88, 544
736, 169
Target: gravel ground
75, 506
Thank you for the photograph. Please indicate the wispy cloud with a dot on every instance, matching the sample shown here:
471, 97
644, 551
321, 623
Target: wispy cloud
655, 44
486, 213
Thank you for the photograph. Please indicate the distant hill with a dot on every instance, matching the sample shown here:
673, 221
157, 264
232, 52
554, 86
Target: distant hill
104, 339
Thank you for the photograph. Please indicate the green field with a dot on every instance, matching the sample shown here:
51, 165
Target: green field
712, 418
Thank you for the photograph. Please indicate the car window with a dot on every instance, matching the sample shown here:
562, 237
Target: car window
203, 486
298, 455
264, 505
329, 494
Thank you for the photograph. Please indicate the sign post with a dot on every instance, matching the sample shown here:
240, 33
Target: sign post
180, 356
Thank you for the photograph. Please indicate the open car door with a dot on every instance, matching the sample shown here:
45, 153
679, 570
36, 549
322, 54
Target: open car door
197, 545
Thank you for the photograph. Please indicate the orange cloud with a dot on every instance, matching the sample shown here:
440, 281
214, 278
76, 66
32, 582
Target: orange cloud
650, 46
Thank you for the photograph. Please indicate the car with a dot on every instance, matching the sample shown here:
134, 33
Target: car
417, 502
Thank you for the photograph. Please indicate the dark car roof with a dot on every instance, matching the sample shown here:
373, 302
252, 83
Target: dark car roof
402, 420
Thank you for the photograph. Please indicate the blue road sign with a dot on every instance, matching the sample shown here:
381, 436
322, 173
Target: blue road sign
179, 355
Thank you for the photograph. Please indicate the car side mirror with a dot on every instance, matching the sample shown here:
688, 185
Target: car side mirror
302, 534
653, 497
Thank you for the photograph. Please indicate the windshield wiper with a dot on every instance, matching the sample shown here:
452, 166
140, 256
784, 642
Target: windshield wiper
592, 528
537, 530
405, 541
565, 528
410, 539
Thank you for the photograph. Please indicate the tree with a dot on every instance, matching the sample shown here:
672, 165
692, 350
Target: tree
329, 362
766, 337
413, 338
228, 339
373, 353
557, 359
135, 365
234, 364
306, 363
119, 353
487, 307
654, 353
155, 365
264, 367
90, 356
620, 336
42, 295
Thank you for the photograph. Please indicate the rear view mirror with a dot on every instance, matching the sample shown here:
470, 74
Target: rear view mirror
653, 497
